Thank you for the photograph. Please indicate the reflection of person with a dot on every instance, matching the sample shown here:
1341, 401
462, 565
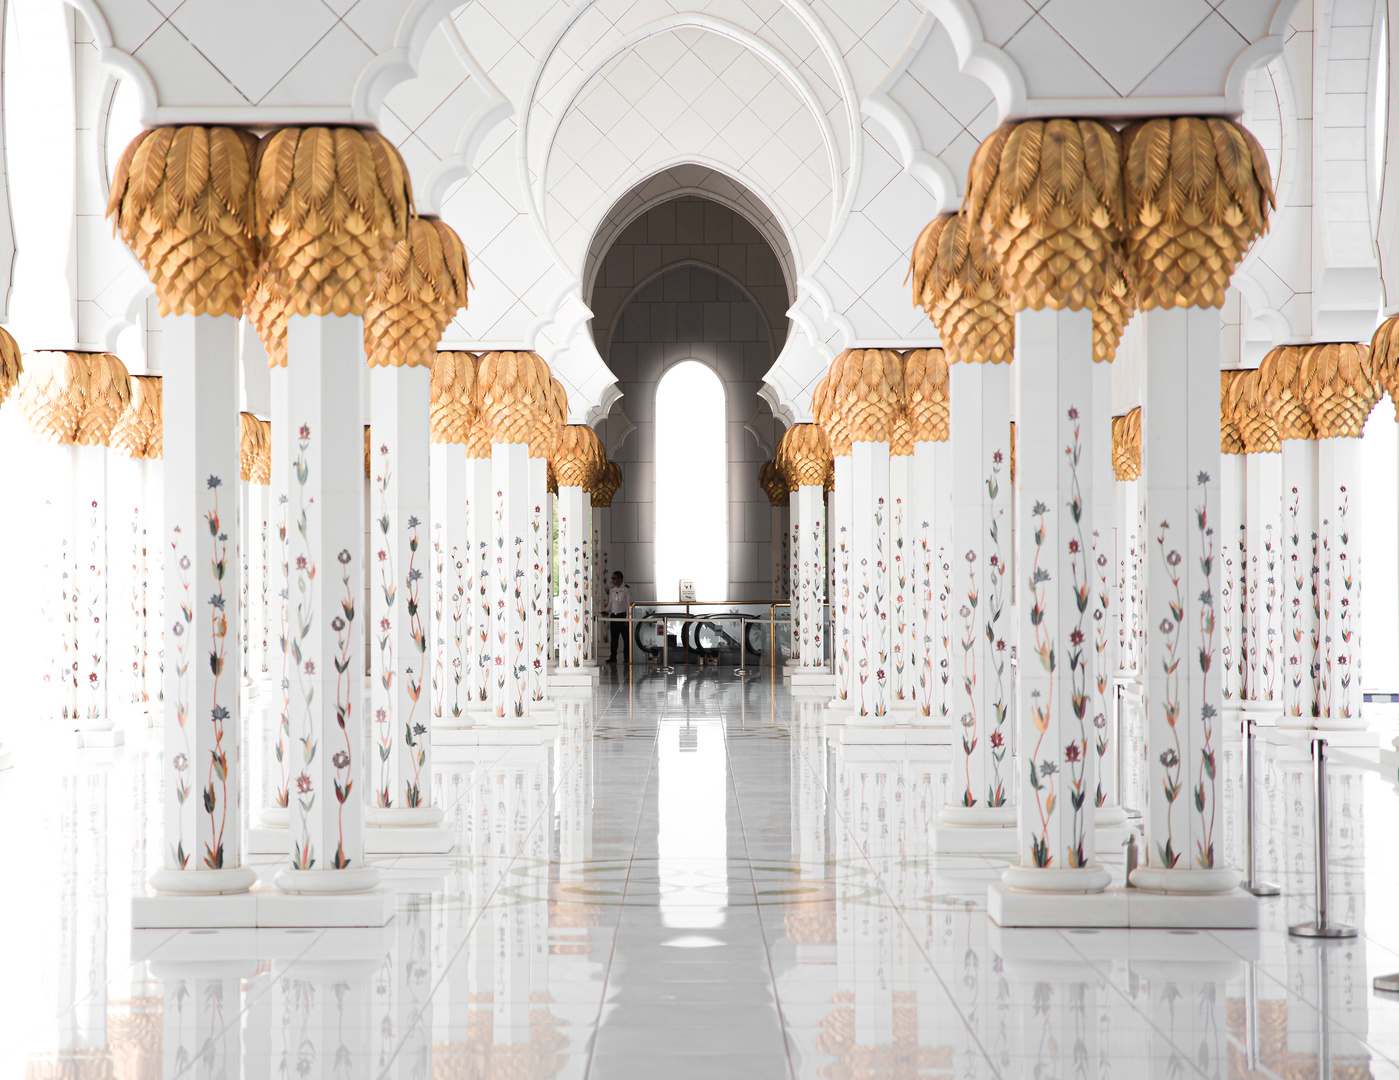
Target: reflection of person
619, 603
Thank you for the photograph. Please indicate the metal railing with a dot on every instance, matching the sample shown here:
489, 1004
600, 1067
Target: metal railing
665, 612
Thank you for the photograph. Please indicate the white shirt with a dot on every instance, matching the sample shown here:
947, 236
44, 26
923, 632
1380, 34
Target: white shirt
619, 600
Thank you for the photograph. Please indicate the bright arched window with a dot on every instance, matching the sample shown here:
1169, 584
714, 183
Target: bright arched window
692, 483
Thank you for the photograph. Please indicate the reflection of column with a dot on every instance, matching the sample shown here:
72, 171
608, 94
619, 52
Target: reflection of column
1280, 374
1340, 389
325, 288
451, 638
324, 1008
199, 1018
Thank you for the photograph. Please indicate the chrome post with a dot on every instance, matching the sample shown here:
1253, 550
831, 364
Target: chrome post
1251, 882
1322, 927
666, 669
742, 646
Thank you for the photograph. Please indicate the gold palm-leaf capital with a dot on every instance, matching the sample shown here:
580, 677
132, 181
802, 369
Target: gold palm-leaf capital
1340, 388
183, 199
1230, 441
1280, 379
452, 400
577, 456
138, 431
420, 287
1198, 192
1047, 196
926, 394
1255, 422
11, 364
957, 282
74, 398
1127, 445
517, 400
865, 387
1384, 357
803, 456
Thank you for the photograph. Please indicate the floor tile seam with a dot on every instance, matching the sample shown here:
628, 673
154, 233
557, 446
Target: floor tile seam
235, 1024
1122, 994
762, 930
1362, 1037
952, 1000
543, 815
134, 961
612, 952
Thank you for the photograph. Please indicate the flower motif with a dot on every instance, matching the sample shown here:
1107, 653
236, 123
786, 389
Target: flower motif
380, 715
1071, 753
1204, 478
1073, 547
1000, 644
92, 677
180, 762
343, 557
303, 782
301, 562
1076, 637
1167, 626
341, 759
384, 623
309, 667
418, 729
996, 458
184, 562
217, 601
1170, 759
1048, 768
220, 714
1039, 508
997, 740
414, 575
1173, 559
1100, 721
1073, 412
382, 554
879, 674
178, 629
211, 483
337, 624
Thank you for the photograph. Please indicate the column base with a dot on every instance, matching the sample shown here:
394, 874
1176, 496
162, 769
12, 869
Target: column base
269, 840
1186, 882
586, 676
451, 723
1110, 829
99, 738
891, 735
410, 831
263, 906
1123, 908
810, 678
327, 882
1341, 739
237, 879
1328, 724
976, 830
1052, 881
1263, 713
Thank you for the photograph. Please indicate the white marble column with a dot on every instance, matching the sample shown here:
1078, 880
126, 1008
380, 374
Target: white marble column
903, 598
841, 596
452, 569
1184, 818
1262, 528
1301, 574
980, 812
326, 544
1106, 592
480, 563
808, 507
509, 583
1057, 685
575, 536
930, 515
871, 602
401, 604
1339, 487
203, 714
274, 813
538, 599
1233, 581
95, 724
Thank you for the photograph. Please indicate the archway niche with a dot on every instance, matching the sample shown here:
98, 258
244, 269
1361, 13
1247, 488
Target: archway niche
688, 274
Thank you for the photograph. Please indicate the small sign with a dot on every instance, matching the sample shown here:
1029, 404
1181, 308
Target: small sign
687, 591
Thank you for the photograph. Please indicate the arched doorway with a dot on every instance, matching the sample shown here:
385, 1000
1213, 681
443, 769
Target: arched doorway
692, 490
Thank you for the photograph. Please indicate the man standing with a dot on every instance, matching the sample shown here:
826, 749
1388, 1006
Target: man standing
619, 604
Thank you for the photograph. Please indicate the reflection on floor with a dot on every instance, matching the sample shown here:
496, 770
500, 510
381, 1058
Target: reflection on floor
693, 878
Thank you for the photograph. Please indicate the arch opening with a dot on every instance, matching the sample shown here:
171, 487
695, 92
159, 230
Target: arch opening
692, 490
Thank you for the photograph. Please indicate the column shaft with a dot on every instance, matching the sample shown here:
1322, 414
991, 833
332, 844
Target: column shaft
841, 539
90, 578
1339, 504
1106, 586
537, 578
903, 598
1301, 608
1182, 468
326, 514
870, 582
808, 506
509, 581
451, 565
480, 545
202, 564
574, 526
399, 472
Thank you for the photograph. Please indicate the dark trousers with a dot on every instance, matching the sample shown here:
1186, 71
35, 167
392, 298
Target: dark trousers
619, 633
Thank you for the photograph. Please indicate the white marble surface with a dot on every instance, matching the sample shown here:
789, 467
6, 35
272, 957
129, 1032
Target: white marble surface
694, 878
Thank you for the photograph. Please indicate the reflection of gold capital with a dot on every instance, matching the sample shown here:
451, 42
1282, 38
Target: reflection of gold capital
138, 431
1047, 195
1340, 388
1280, 378
419, 289
1197, 191
183, 198
803, 456
74, 398
1127, 445
926, 397
956, 281
366, 451
453, 397
331, 203
577, 456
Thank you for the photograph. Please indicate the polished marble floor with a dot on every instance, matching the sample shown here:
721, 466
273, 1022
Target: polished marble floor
695, 877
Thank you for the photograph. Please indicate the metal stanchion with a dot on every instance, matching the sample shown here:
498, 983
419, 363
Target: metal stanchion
742, 646
1323, 927
666, 669
1251, 1055
1251, 882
